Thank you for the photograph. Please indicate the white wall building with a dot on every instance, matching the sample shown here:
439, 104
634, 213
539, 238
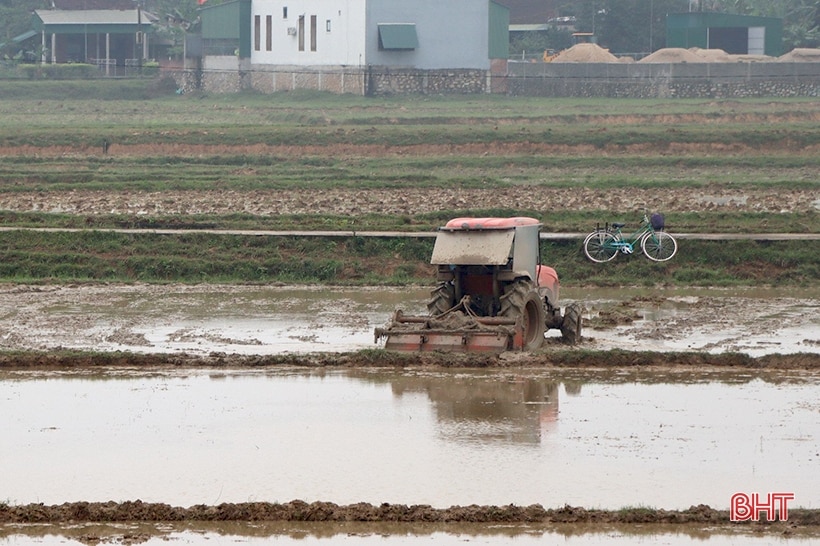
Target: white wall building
420, 34
355, 46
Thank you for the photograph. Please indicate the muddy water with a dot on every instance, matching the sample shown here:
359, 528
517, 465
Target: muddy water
575, 437
268, 320
318, 534
579, 437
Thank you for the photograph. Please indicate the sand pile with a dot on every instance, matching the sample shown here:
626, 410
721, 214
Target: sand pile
585, 53
749, 58
673, 55
801, 55
711, 55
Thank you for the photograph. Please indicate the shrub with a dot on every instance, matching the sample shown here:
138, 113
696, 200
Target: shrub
59, 71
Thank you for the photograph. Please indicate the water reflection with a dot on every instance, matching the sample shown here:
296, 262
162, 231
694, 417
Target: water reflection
553, 437
391, 534
472, 409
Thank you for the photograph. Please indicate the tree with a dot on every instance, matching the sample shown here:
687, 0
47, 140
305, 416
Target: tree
801, 18
553, 38
15, 19
628, 26
175, 19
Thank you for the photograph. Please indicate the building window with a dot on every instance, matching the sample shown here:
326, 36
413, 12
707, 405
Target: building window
327, 25
301, 31
257, 32
284, 12
397, 36
269, 31
313, 33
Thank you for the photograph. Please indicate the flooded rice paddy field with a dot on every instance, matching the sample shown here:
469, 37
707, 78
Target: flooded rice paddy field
273, 320
651, 439
323, 534
487, 437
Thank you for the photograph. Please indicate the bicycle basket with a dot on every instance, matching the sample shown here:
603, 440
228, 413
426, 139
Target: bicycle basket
657, 221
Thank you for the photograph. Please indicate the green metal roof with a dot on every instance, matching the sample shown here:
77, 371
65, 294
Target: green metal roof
398, 36
96, 20
21, 38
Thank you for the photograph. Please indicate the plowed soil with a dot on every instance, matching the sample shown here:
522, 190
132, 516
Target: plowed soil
600, 359
409, 201
328, 511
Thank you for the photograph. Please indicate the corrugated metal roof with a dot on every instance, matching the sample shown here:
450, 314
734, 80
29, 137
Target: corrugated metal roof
92, 4
20, 38
24, 36
90, 17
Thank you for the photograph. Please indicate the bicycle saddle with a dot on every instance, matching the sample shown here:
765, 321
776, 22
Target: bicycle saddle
617, 225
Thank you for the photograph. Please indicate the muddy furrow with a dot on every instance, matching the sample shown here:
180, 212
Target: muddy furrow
132, 511
380, 358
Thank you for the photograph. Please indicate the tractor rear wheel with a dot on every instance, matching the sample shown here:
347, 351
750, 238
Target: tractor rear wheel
521, 299
442, 299
571, 325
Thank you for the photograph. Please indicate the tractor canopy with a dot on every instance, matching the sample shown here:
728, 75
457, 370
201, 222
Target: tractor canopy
491, 242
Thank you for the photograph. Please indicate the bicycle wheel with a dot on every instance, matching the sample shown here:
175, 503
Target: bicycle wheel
599, 247
659, 246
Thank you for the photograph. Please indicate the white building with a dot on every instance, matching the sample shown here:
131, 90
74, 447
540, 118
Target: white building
352, 45
424, 34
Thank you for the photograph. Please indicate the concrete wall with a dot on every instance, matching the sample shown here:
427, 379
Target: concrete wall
635, 80
225, 74
452, 34
272, 78
649, 80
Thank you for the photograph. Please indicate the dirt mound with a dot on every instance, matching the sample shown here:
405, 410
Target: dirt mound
297, 510
585, 53
711, 55
673, 55
751, 58
801, 55
379, 359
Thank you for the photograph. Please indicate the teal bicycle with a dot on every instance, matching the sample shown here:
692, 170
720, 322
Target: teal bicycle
603, 244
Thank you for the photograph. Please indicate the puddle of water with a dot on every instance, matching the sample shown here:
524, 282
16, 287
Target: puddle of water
755, 321
388, 534
575, 437
199, 320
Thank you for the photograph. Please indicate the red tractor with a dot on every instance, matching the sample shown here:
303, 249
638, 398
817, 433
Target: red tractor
492, 293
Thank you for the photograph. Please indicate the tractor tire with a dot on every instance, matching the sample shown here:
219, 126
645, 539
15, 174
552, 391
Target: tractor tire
442, 299
571, 325
521, 299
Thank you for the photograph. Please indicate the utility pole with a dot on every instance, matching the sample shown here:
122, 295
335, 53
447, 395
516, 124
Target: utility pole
140, 37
